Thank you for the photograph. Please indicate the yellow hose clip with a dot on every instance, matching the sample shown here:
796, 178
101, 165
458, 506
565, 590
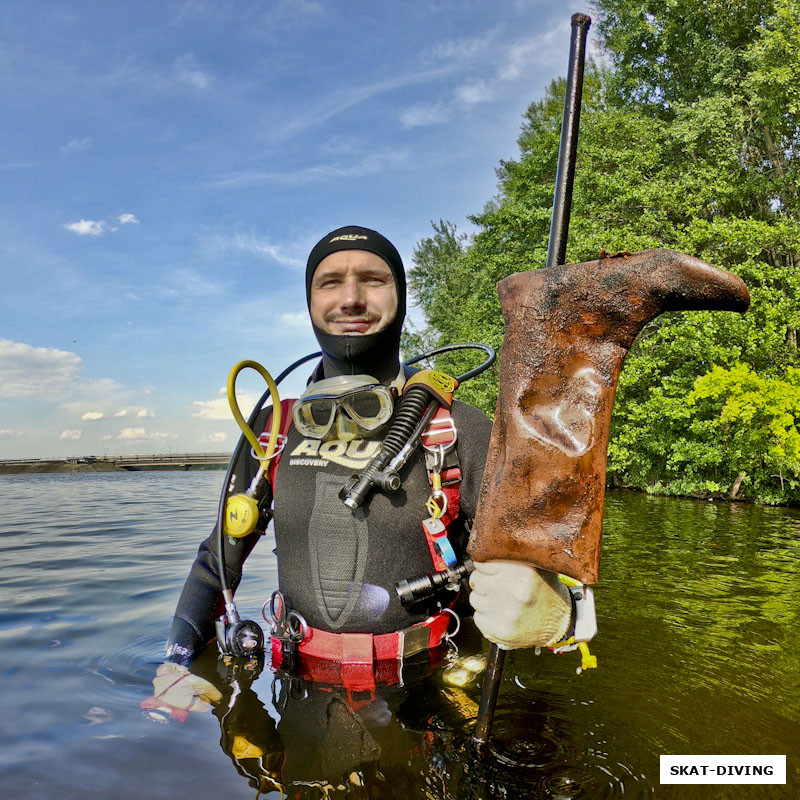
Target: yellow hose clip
437, 502
588, 661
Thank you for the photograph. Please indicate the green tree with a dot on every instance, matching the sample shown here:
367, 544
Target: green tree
690, 140
749, 423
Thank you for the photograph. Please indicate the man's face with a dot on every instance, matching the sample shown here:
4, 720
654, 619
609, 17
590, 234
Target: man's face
353, 293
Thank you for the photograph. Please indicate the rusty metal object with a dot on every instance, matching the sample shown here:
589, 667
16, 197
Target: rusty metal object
568, 330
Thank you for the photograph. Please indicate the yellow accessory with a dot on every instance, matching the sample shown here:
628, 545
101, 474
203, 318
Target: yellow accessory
242, 748
263, 455
434, 509
588, 661
440, 384
241, 515
241, 510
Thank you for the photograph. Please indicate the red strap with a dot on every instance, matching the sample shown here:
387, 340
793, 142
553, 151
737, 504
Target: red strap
357, 650
286, 422
451, 486
442, 431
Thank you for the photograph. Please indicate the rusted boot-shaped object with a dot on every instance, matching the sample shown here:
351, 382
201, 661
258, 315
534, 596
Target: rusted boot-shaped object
568, 329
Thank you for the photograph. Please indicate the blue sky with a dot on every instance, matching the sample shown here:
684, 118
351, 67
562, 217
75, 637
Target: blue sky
166, 167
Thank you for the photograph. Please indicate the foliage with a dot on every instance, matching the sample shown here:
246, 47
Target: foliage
744, 421
689, 140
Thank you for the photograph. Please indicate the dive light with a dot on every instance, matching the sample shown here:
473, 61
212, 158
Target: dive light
424, 587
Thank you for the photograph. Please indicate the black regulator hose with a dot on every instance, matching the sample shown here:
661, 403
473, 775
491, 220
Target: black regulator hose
409, 411
407, 428
449, 348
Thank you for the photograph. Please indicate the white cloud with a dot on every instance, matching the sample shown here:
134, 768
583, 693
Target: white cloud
475, 92
141, 435
89, 392
156, 436
183, 73
359, 167
133, 434
264, 247
521, 57
87, 227
211, 409
464, 50
290, 14
188, 284
27, 371
421, 115
121, 413
97, 227
214, 438
71, 435
295, 319
145, 413
187, 73
92, 415
490, 62
7, 433
219, 408
11, 166
76, 146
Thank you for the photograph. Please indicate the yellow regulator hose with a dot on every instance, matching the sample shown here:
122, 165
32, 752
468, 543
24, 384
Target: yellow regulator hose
241, 510
262, 455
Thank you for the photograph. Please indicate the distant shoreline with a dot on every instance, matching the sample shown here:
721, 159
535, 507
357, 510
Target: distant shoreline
57, 466
43, 466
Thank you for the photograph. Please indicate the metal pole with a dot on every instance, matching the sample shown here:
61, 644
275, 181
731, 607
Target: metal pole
567, 151
491, 685
556, 254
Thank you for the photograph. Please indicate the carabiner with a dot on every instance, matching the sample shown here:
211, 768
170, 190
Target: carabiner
437, 509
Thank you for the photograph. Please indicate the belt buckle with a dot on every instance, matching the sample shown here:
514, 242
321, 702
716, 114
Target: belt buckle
414, 640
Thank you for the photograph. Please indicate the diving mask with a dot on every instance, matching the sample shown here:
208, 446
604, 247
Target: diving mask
345, 407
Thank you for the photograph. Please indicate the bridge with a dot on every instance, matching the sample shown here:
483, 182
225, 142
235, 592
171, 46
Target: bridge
132, 463
169, 461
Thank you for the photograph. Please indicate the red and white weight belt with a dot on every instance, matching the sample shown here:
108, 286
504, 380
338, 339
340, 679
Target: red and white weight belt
366, 648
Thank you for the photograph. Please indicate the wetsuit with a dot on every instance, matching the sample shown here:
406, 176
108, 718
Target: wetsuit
338, 569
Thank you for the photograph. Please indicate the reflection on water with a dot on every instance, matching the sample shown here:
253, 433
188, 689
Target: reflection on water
698, 621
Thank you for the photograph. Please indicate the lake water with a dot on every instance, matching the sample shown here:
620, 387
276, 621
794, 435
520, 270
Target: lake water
697, 649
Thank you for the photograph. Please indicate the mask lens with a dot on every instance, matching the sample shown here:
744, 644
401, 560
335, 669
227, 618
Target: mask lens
314, 418
370, 409
365, 405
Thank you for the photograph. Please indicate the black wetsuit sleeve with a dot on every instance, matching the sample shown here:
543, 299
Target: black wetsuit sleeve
200, 603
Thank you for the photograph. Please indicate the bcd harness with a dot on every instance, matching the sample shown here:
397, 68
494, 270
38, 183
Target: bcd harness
359, 660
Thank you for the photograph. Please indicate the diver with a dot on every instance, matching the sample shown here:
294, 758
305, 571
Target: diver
338, 563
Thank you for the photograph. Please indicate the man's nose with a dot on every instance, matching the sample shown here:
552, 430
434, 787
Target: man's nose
352, 294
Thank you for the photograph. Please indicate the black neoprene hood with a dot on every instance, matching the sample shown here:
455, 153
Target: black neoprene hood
376, 354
